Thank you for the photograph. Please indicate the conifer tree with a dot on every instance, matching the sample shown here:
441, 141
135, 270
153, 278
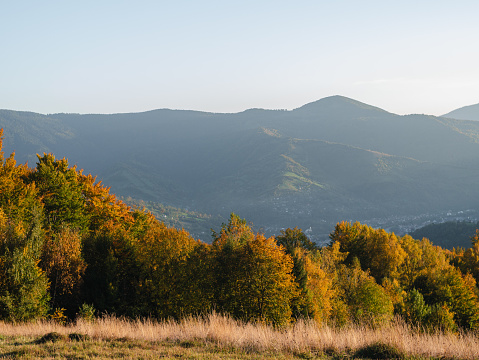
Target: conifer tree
23, 285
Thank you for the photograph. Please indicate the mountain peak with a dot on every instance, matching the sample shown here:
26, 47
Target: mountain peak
341, 105
470, 112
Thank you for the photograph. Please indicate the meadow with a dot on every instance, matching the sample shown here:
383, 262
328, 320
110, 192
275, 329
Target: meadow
221, 337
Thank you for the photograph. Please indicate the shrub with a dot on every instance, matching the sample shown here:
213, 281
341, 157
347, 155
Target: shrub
51, 337
86, 312
379, 350
59, 316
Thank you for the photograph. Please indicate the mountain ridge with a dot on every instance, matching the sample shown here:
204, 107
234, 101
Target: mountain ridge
470, 112
336, 159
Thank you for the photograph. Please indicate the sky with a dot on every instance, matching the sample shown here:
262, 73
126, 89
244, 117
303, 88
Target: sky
119, 56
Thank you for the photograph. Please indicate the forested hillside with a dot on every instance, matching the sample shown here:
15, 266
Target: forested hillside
329, 160
449, 235
199, 225
67, 245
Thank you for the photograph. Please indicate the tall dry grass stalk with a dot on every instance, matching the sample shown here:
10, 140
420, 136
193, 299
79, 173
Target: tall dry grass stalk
302, 337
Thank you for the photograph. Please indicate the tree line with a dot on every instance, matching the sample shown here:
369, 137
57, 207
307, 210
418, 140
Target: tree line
66, 242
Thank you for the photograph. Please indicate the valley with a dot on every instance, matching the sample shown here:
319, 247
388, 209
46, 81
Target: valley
331, 160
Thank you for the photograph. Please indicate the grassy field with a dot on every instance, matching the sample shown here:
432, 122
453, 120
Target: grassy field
219, 337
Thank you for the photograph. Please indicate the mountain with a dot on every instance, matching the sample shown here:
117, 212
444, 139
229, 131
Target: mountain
448, 235
331, 160
470, 112
340, 106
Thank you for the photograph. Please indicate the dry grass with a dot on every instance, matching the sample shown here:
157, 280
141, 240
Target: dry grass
224, 333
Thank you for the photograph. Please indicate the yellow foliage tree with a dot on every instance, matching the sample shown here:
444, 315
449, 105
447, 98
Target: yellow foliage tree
314, 284
468, 260
412, 264
17, 198
163, 255
63, 264
254, 280
104, 208
378, 251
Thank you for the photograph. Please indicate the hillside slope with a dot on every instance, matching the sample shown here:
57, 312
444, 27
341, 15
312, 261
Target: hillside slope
326, 161
470, 112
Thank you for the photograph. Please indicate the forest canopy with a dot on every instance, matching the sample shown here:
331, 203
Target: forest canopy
66, 242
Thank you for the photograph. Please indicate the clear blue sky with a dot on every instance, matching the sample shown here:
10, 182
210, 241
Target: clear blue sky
228, 56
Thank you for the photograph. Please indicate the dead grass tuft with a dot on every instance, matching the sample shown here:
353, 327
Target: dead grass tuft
78, 337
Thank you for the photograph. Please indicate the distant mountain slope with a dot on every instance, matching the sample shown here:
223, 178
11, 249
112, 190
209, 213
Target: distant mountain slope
30, 133
449, 235
326, 161
470, 112
336, 119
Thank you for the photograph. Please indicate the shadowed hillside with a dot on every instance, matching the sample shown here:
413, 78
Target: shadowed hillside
329, 160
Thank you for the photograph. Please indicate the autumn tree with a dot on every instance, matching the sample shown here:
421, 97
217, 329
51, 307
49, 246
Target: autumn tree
415, 310
254, 279
112, 276
17, 199
315, 287
198, 280
64, 266
377, 251
23, 286
448, 287
468, 260
413, 263
163, 255
295, 238
102, 207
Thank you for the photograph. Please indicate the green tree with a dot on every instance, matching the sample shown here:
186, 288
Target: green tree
112, 276
366, 300
61, 192
23, 285
447, 287
295, 238
416, 310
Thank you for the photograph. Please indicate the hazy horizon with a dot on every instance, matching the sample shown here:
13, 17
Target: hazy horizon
227, 57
